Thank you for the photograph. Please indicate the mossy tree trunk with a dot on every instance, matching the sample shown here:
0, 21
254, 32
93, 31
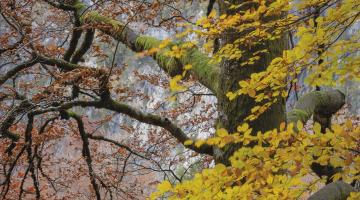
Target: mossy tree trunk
232, 113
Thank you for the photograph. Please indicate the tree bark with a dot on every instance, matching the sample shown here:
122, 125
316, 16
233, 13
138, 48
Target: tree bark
232, 113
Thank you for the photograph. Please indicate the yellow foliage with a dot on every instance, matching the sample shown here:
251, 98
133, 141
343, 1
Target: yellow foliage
274, 170
354, 196
272, 165
174, 85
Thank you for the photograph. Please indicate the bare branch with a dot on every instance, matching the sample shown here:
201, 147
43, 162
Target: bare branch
62, 64
28, 140
17, 69
7, 180
86, 153
62, 6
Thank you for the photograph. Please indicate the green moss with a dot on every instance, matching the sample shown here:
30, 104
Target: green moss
169, 64
95, 16
147, 42
207, 73
78, 5
328, 102
297, 114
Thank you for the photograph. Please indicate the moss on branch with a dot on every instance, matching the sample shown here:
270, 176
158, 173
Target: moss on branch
202, 69
206, 73
324, 103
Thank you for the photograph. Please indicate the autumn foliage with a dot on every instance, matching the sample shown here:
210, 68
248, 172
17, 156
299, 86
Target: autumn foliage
81, 116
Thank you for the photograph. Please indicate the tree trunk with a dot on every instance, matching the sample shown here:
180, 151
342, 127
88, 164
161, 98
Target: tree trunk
232, 113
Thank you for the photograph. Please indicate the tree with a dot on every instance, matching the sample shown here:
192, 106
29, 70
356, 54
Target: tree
246, 58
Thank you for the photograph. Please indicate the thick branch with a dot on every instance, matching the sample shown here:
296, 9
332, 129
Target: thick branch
85, 46
76, 34
334, 191
147, 118
323, 103
157, 121
206, 73
62, 64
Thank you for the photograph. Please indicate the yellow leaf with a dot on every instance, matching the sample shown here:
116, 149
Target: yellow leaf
276, 93
252, 93
311, 22
207, 25
219, 168
188, 67
254, 109
164, 43
336, 161
270, 179
317, 128
348, 124
231, 95
316, 151
222, 132
172, 98
336, 176
164, 186
188, 142
212, 14
244, 127
174, 86
199, 143
354, 196
299, 125
243, 84
213, 141
282, 126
